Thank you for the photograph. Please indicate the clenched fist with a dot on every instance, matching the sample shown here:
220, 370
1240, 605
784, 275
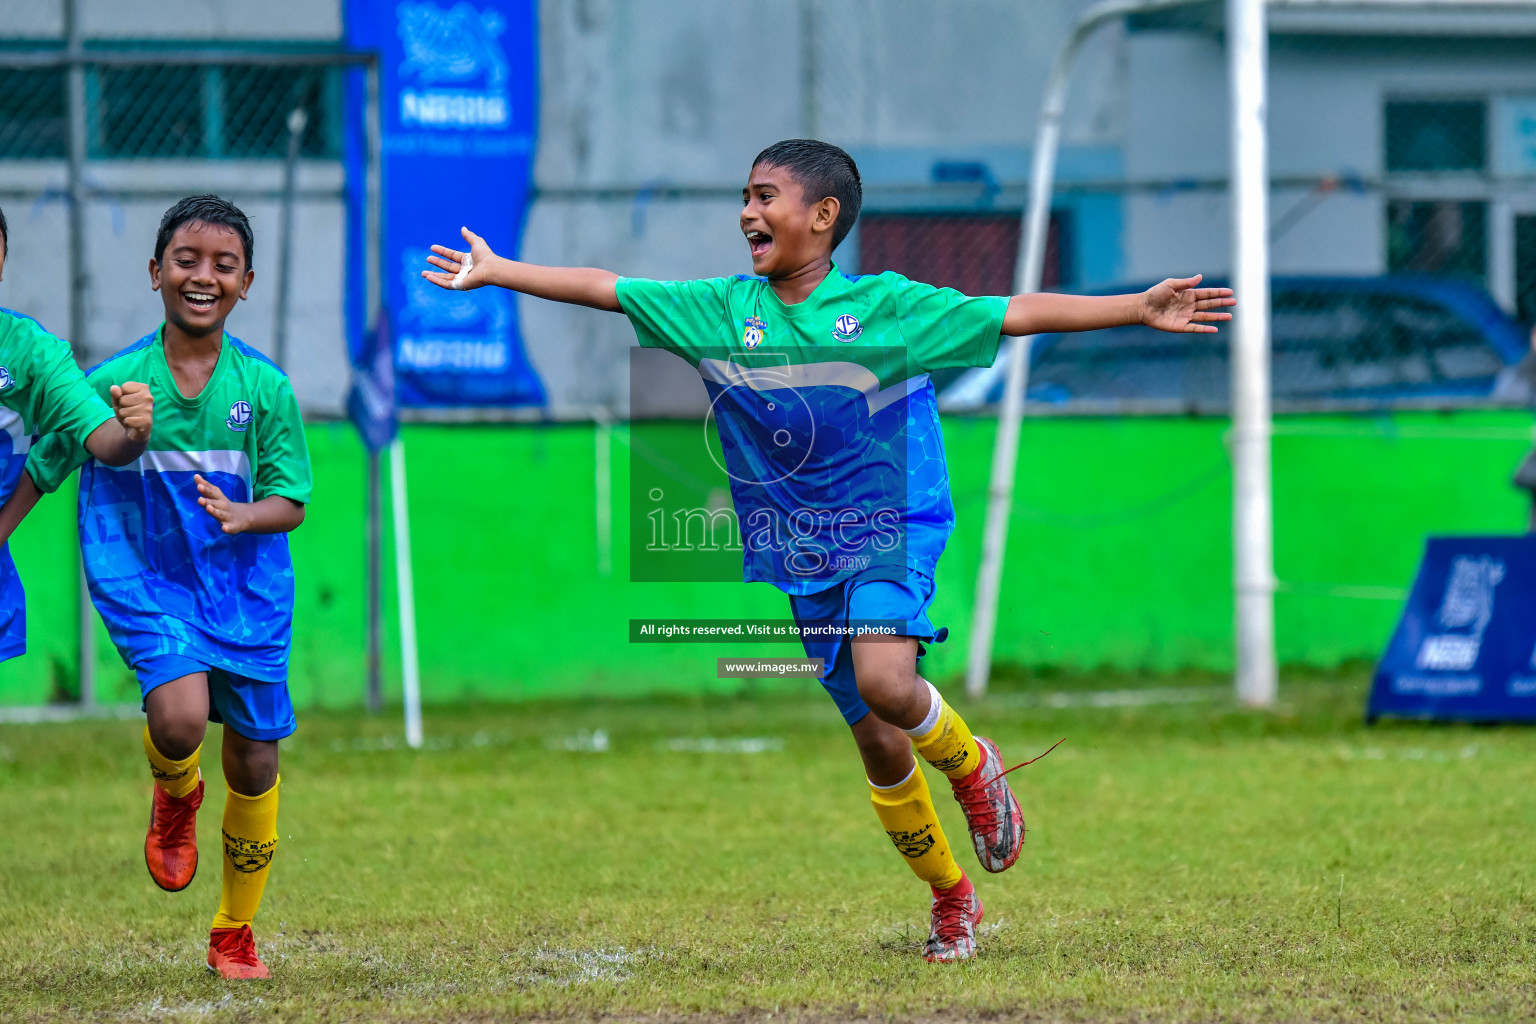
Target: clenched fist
135, 409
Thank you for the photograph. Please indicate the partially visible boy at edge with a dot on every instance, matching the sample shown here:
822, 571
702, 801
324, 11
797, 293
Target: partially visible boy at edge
187, 560
856, 351
42, 391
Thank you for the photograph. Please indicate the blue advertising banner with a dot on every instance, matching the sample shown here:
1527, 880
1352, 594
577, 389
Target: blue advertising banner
1465, 648
459, 106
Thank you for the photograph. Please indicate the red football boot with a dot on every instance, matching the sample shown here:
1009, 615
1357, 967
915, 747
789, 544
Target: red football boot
991, 810
170, 847
952, 933
232, 952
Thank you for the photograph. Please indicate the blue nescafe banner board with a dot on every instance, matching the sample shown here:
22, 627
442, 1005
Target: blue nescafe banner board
1466, 646
459, 105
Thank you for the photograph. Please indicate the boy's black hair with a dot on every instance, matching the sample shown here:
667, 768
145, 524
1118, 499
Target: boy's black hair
822, 170
5, 234
204, 209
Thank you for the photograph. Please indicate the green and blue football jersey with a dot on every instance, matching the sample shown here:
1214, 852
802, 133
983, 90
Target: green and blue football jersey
42, 391
826, 416
163, 574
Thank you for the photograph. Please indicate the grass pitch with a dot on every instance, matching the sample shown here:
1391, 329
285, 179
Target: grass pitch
1186, 861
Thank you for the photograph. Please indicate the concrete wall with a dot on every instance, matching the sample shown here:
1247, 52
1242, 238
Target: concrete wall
639, 97
121, 231
1326, 103
683, 93
634, 93
185, 19
1128, 568
120, 242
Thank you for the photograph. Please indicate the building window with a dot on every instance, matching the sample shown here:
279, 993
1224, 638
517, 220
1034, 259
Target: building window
972, 253
255, 104
1525, 268
147, 111
34, 118
238, 111
1437, 135
172, 111
1444, 237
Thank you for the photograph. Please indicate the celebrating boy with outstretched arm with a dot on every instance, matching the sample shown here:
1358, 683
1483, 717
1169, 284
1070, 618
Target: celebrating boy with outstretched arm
837, 466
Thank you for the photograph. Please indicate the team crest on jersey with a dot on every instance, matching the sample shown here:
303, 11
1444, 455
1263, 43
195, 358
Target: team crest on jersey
240, 416
752, 332
6, 380
847, 328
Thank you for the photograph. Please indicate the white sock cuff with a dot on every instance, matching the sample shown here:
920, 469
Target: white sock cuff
935, 705
903, 782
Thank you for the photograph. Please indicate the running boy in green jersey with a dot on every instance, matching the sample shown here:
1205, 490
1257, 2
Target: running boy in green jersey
837, 466
187, 558
42, 391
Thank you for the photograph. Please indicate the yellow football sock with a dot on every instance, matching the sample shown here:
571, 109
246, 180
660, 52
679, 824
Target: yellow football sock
177, 778
945, 741
906, 811
250, 839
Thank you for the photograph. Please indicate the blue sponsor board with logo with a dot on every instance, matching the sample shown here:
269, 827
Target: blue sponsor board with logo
459, 106
1465, 648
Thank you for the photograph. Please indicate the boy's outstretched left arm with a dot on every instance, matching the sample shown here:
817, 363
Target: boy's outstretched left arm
1175, 305
272, 514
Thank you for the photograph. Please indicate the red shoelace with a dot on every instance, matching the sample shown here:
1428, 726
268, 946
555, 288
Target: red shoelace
175, 820
979, 812
238, 945
952, 913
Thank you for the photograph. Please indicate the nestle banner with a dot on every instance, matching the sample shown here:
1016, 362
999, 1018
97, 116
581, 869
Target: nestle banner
1466, 646
459, 105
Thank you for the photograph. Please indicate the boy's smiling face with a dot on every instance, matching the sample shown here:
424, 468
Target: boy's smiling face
203, 276
783, 230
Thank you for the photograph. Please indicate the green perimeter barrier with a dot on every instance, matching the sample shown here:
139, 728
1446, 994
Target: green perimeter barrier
1119, 555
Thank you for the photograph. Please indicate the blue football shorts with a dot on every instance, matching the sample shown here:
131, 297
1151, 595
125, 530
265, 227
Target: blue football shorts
255, 709
880, 603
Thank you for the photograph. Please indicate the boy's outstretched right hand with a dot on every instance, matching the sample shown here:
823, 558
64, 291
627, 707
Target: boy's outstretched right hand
135, 409
464, 270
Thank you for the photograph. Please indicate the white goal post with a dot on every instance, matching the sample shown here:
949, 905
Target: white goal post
1252, 540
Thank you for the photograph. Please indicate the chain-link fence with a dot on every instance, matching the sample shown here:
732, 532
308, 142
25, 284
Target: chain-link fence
1403, 211
1403, 203
158, 125
1402, 142
1402, 236
1402, 166
1403, 207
